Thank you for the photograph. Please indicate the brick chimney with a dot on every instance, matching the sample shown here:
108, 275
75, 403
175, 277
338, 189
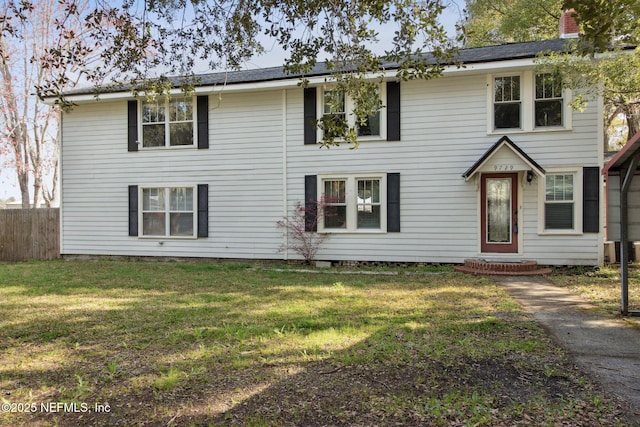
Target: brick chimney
569, 29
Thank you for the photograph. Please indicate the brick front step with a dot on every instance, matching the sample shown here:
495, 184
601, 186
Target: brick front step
497, 268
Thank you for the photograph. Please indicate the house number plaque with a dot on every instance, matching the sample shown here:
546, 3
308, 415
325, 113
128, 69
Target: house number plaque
502, 168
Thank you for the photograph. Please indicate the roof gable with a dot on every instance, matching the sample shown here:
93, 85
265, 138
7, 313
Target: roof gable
504, 148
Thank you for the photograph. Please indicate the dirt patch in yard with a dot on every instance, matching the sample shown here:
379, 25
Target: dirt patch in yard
496, 392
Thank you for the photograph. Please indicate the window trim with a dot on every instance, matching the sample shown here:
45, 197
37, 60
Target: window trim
577, 201
167, 211
527, 108
351, 197
520, 101
349, 106
168, 146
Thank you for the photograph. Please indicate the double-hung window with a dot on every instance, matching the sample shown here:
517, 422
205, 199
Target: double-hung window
168, 212
168, 122
335, 197
527, 102
548, 100
334, 118
338, 108
353, 203
561, 201
369, 203
559, 204
507, 104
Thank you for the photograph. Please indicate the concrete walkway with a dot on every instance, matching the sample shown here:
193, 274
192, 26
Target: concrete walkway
606, 347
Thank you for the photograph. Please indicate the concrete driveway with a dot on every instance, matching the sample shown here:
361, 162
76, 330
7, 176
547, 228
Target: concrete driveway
607, 348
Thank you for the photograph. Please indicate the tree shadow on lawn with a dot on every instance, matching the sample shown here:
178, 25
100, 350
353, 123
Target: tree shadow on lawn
279, 354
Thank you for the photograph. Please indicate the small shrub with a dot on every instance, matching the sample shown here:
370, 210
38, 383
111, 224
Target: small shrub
298, 227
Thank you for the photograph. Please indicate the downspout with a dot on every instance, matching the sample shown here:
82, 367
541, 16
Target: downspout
285, 203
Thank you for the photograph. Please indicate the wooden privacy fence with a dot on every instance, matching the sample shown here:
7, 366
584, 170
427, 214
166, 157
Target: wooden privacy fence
29, 234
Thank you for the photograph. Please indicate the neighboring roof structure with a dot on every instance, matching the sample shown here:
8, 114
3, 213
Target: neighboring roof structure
630, 149
466, 56
504, 141
626, 164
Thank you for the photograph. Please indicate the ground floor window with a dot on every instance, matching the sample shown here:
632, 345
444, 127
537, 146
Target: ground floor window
561, 201
168, 211
353, 203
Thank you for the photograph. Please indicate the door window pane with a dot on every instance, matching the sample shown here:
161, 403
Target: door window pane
498, 210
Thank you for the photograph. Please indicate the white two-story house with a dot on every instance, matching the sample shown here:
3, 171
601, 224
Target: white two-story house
488, 161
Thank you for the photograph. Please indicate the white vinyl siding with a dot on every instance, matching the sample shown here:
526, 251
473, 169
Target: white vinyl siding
243, 168
256, 175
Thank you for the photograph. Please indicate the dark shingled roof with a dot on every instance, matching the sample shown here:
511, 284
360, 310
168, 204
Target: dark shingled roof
466, 56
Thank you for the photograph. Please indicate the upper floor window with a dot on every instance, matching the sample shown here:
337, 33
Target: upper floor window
337, 108
548, 100
507, 102
333, 112
168, 122
526, 102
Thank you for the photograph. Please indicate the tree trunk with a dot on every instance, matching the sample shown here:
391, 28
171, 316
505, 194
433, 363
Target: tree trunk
633, 118
15, 128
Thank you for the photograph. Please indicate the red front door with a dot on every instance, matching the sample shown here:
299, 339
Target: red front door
498, 211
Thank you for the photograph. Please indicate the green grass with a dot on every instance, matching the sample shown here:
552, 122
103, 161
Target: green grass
209, 343
601, 286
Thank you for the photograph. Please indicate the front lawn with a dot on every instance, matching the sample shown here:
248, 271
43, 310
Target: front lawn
601, 286
205, 343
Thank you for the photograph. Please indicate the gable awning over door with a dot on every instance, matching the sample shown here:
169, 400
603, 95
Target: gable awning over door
493, 160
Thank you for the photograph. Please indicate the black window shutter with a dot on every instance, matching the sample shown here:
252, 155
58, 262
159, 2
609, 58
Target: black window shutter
310, 203
132, 127
393, 111
393, 202
591, 199
310, 117
203, 210
133, 210
203, 121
